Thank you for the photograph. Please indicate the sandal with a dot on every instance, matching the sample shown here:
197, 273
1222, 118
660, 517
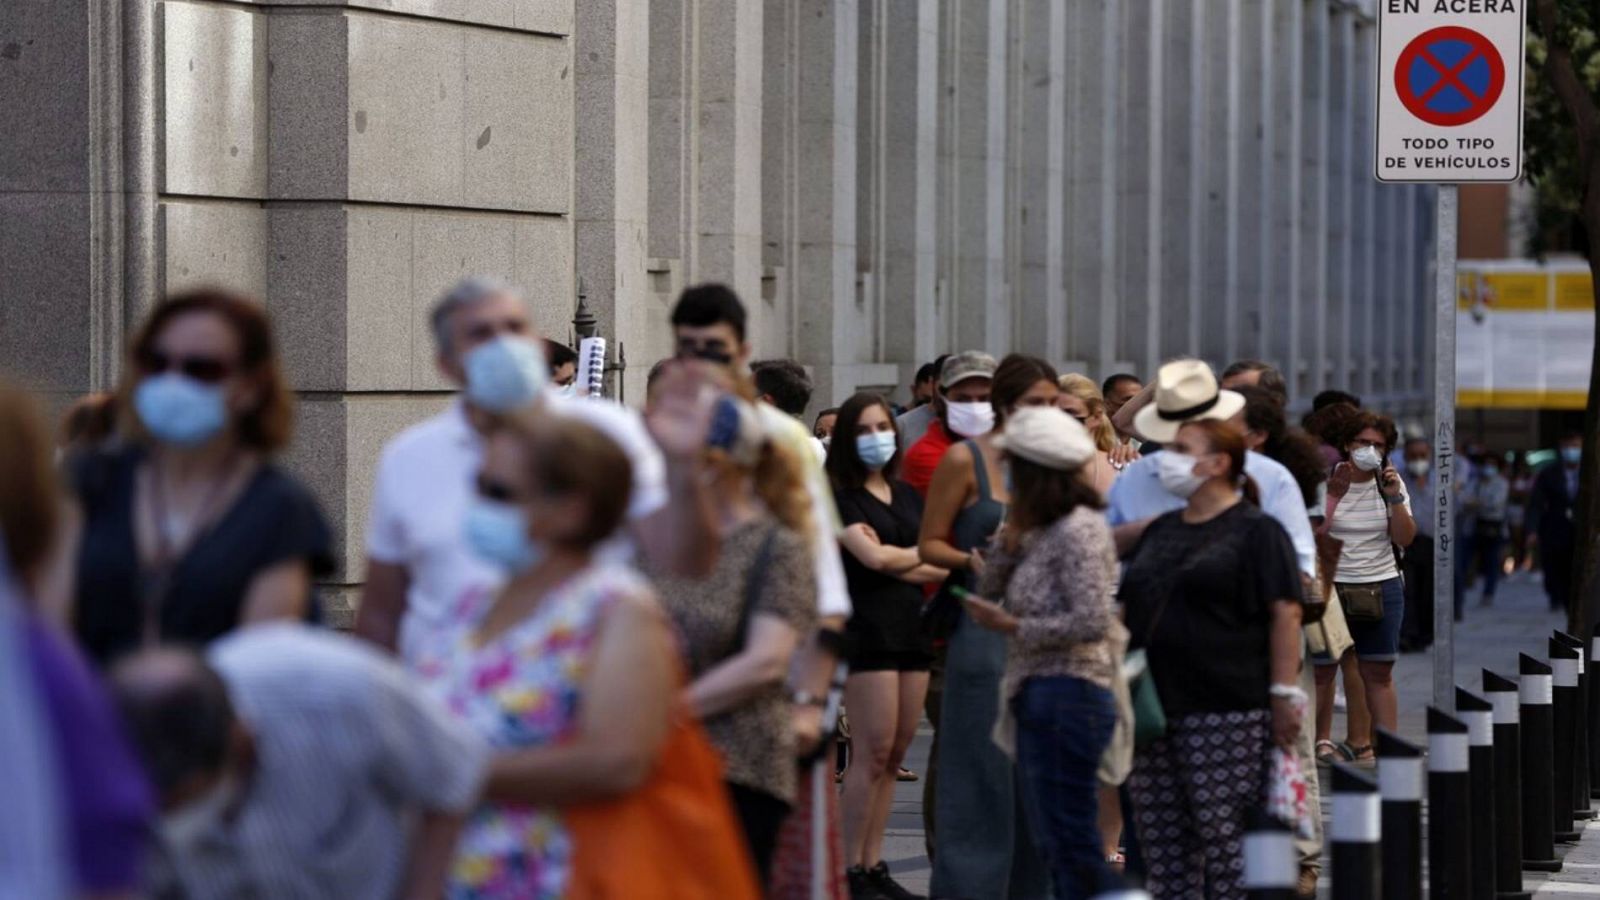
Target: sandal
1328, 753
1361, 756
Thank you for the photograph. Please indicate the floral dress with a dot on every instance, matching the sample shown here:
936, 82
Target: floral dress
519, 690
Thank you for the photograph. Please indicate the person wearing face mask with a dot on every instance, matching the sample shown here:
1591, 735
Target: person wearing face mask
890, 654
293, 762
1081, 400
1491, 493
1369, 511
188, 529
563, 361
960, 410
418, 562
1212, 593
982, 845
1416, 630
1551, 517
569, 671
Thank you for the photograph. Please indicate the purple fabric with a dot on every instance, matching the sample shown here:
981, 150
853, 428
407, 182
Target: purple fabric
109, 804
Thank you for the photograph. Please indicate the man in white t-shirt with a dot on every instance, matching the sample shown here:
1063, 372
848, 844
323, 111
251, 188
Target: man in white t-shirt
419, 565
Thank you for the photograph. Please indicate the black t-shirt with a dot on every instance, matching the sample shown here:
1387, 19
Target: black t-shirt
273, 519
887, 612
1209, 649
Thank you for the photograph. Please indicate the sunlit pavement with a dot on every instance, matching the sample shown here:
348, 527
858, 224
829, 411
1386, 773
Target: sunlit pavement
1519, 622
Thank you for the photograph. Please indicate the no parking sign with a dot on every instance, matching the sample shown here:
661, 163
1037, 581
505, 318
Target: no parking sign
1450, 90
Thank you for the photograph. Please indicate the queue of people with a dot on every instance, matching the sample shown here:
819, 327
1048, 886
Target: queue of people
601, 653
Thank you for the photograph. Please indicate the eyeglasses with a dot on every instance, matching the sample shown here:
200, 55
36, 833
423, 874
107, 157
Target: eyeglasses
201, 368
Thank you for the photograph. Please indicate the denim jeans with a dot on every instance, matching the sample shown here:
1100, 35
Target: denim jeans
1063, 726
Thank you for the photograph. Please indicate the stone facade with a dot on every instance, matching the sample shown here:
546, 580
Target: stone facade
1105, 183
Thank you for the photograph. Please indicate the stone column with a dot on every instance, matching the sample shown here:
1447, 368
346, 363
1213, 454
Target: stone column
1334, 341
1256, 190
1141, 151
1039, 232
896, 184
973, 109
724, 150
1367, 343
611, 49
1312, 293
1216, 310
816, 126
1284, 134
1184, 174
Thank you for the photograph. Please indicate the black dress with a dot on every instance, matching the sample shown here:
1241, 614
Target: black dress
886, 620
273, 519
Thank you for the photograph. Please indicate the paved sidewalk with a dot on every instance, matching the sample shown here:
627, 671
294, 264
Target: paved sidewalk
1490, 638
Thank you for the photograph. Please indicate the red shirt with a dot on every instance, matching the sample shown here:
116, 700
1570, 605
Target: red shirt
923, 457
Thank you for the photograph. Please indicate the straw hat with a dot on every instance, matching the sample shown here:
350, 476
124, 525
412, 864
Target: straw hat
1186, 391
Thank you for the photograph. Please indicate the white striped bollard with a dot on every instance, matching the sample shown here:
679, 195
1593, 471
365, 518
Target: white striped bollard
1271, 863
1563, 703
1582, 809
1400, 784
1538, 783
1353, 835
1449, 808
1479, 716
1502, 695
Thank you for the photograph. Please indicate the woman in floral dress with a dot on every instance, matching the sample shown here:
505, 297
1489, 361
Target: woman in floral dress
570, 671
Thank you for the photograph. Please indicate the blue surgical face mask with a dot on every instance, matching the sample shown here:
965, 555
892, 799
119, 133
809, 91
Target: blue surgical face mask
498, 532
1571, 455
876, 449
179, 410
505, 374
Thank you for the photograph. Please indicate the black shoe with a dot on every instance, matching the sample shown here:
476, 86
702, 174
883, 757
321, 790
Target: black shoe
888, 887
862, 885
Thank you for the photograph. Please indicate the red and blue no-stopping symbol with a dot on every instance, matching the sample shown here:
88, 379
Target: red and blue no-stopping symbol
1449, 76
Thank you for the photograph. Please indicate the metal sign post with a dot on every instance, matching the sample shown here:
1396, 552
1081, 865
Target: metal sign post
1449, 110
1444, 446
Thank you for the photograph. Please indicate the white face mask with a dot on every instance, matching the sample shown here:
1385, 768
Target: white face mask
1418, 467
1176, 472
971, 419
1367, 459
182, 828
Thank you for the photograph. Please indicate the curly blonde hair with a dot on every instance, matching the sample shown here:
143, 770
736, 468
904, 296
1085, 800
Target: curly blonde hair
779, 473
1080, 386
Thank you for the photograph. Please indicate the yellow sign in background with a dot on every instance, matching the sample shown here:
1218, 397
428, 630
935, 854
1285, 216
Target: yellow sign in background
1524, 334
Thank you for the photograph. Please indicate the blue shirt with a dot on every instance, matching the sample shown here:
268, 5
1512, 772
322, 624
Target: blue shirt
1137, 494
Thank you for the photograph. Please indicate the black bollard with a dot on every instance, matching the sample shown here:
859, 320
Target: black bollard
1538, 786
1400, 785
1353, 835
1582, 810
1502, 695
1449, 807
1592, 712
1564, 712
1479, 716
1271, 863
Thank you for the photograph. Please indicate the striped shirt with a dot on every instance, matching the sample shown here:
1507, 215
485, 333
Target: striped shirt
347, 748
1361, 520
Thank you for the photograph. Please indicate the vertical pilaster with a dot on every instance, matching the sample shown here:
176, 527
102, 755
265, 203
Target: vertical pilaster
1341, 220
1142, 150
975, 107
1216, 310
1039, 286
724, 227
1312, 295
611, 188
1254, 192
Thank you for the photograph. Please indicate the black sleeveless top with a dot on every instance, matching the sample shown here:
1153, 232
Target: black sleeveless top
272, 520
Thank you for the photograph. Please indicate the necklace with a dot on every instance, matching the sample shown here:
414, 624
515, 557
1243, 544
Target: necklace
169, 549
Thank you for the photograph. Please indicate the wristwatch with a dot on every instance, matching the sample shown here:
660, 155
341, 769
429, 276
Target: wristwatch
1393, 499
806, 698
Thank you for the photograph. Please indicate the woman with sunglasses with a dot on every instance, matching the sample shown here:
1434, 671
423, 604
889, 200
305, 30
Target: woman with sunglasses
187, 529
1081, 399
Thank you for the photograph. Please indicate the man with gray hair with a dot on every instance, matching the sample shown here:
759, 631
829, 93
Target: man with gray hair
418, 562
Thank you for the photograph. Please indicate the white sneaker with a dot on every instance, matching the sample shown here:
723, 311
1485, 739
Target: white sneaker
1338, 697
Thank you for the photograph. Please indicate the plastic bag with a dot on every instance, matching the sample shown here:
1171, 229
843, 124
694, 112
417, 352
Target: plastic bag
1287, 796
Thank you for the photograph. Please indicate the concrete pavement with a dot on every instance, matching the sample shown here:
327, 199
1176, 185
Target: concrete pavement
1519, 622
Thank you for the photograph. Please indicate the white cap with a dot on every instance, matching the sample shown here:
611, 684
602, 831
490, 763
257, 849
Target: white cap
1046, 436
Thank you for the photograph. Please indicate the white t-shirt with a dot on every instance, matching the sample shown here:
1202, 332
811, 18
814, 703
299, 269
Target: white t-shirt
426, 480
1361, 520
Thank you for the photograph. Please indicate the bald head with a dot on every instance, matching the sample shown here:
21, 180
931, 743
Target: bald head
180, 718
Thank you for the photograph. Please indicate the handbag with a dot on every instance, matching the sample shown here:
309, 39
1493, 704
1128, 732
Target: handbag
1149, 716
675, 836
1362, 603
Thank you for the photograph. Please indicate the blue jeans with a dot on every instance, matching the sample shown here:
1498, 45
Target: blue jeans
1063, 726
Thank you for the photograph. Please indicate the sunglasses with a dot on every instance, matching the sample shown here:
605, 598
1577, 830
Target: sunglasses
489, 489
201, 368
